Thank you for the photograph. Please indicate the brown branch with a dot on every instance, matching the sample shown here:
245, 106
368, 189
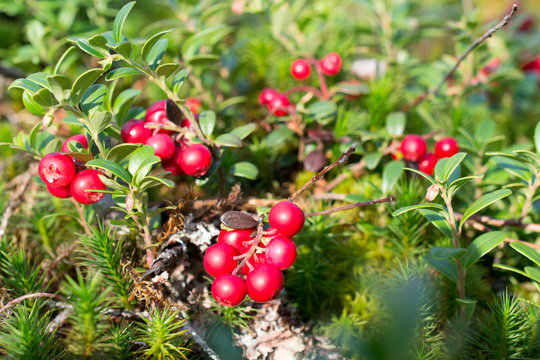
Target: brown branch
28, 296
352, 206
252, 249
82, 221
500, 222
433, 91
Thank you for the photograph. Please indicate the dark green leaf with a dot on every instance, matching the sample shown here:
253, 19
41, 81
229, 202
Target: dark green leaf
32, 105
526, 251
483, 202
62, 58
123, 103
89, 49
60, 86
416, 207
481, 246
243, 131
121, 72
425, 176
245, 169
444, 266
203, 59
83, 82
151, 42
112, 167
438, 220
391, 173
99, 122
451, 165
43, 97
178, 80
138, 156
229, 140
120, 19
24, 84
156, 53
124, 48
443, 252
166, 70
207, 122
322, 111
93, 98
121, 151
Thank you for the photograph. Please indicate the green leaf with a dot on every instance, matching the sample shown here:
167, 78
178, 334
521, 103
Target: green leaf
44, 98
89, 49
208, 37
62, 58
124, 48
120, 19
537, 137
111, 183
231, 102
178, 80
207, 122
24, 84
112, 167
533, 273
526, 251
123, 102
405, 209
156, 53
458, 183
93, 98
138, 156
230, 140
483, 202
445, 266
438, 220
510, 268
452, 164
322, 111
40, 78
152, 41
481, 246
83, 82
245, 169
203, 59
165, 70
99, 42
162, 181
391, 173
372, 159
443, 252
395, 123
121, 72
121, 151
422, 174
439, 167
31, 105
243, 131
99, 122
145, 166
60, 86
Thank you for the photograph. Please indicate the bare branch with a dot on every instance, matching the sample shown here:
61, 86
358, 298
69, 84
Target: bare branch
29, 296
352, 206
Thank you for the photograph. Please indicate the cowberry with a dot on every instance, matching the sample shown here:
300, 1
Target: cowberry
157, 114
267, 95
427, 163
446, 147
281, 251
300, 69
81, 139
87, 179
133, 131
287, 218
194, 105
229, 290
163, 145
56, 169
413, 147
218, 259
330, 64
195, 160
60, 192
255, 261
264, 283
236, 238
171, 164
279, 104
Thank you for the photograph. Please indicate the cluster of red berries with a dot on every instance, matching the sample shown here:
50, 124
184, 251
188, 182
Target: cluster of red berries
176, 154
261, 277
65, 176
414, 148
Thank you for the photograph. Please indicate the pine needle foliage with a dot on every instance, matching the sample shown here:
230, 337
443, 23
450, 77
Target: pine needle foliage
18, 275
121, 337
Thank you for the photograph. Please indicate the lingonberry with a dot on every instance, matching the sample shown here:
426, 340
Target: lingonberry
81, 139
229, 290
446, 147
267, 95
163, 145
281, 251
87, 179
427, 163
56, 169
157, 114
236, 238
287, 218
300, 69
413, 147
264, 283
60, 192
194, 105
133, 131
171, 164
195, 160
330, 64
218, 259
279, 104
255, 261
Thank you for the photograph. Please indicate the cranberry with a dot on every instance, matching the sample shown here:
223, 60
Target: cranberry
56, 169
330, 64
81, 139
255, 261
87, 179
236, 238
157, 114
446, 147
133, 131
264, 283
287, 218
267, 95
534, 67
229, 290
60, 192
195, 160
300, 69
279, 104
163, 145
218, 259
171, 163
194, 105
427, 163
413, 147
281, 251
491, 66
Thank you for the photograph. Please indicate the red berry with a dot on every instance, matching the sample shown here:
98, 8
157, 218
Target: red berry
264, 283
446, 147
195, 160
330, 64
81, 139
236, 238
157, 114
413, 147
194, 105
163, 145
133, 131
287, 218
281, 251
229, 290
255, 261
56, 169
427, 163
300, 69
87, 179
60, 192
218, 259
171, 163
279, 104
267, 95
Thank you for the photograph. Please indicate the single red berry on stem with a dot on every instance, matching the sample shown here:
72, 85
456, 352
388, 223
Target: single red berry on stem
281, 252
279, 104
163, 145
330, 64
413, 147
229, 290
133, 131
446, 147
62, 192
218, 259
56, 169
255, 261
427, 163
87, 179
80, 138
157, 114
300, 69
171, 164
287, 218
267, 95
195, 160
236, 238
194, 105
264, 283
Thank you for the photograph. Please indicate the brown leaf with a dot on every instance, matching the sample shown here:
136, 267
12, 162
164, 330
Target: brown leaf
238, 220
315, 161
174, 113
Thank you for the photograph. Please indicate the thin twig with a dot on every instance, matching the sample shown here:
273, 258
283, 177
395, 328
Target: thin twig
29, 296
433, 91
252, 249
352, 206
82, 221
15, 198
500, 222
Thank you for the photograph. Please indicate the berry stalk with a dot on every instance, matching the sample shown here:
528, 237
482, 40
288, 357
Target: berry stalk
252, 249
352, 206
